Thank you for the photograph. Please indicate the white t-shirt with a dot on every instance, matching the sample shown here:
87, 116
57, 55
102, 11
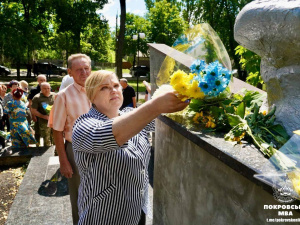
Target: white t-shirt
66, 81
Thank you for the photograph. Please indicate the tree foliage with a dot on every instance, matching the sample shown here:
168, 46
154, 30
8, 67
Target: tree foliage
250, 62
31, 29
135, 24
221, 15
165, 25
23, 25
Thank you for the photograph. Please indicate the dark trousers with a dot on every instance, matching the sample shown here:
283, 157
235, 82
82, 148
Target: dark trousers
2, 140
143, 219
6, 122
73, 182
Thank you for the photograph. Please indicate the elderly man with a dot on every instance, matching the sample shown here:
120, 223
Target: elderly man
129, 99
34, 92
41, 106
69, 104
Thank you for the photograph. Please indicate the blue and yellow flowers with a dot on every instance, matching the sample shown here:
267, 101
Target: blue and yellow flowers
203, 80
47, 107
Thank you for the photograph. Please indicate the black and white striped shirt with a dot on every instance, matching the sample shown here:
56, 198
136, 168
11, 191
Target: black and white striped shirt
113, 180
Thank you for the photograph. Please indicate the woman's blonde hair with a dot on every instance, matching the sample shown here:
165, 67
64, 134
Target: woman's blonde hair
94, 81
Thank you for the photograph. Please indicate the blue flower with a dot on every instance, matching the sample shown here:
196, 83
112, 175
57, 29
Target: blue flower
205, 87
212, 78
197, 66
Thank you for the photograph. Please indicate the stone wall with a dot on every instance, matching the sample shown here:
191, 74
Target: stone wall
191, 186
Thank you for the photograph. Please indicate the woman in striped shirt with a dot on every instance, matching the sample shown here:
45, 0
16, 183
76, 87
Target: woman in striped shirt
112, 152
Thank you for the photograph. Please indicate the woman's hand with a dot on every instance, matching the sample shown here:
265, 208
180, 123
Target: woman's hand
169, 102
137, 119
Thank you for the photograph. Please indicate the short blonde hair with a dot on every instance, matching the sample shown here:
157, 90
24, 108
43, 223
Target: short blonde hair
94, 81
77, 56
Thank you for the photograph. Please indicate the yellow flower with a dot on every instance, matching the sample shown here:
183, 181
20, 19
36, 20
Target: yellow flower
239, 138
177, 77
181, 88
264, 112
194, 91
196, 117
211, 122
191, 76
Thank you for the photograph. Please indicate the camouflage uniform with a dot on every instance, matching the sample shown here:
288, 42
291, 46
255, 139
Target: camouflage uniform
37, 103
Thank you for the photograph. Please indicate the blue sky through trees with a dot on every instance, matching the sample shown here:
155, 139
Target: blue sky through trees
112, 8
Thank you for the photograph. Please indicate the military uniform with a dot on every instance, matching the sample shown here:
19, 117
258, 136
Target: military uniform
34, 91
41, 102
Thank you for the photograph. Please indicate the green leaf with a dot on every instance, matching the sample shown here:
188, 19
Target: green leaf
253, 97
229, 109
234, 119
279, 130
216, 111
240, 110
196, 104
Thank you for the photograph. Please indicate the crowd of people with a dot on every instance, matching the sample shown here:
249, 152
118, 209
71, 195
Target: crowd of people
20, 109
100, 136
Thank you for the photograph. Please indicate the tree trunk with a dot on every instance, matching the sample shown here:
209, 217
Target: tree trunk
121, 37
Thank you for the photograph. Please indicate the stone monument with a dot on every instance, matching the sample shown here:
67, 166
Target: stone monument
271, 29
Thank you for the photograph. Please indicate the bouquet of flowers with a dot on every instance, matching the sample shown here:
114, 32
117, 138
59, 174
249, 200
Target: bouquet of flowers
213, 107
47, 107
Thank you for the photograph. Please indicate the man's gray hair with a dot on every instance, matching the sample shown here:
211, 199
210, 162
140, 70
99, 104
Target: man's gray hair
77, 56
45, 83
41, 75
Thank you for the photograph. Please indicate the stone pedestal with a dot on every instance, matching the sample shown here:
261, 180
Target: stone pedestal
271, 28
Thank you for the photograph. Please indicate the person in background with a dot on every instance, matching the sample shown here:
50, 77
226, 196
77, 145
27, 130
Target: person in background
113, 161
2, 140
21, 133
129, 99
34, 92
5, 120
35, 68
24, 87
66, 81
69, 104
148, 90
13, 84
29, 67
41, 107
9, 97
3, 91
49, 70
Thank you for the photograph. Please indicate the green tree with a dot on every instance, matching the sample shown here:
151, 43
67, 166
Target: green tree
73, 17
165, 25
220, 14
250, 63
94, 42
135, 24
23, 25
150, 3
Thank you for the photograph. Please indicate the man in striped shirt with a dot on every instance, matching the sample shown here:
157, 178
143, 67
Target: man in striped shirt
69, 104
